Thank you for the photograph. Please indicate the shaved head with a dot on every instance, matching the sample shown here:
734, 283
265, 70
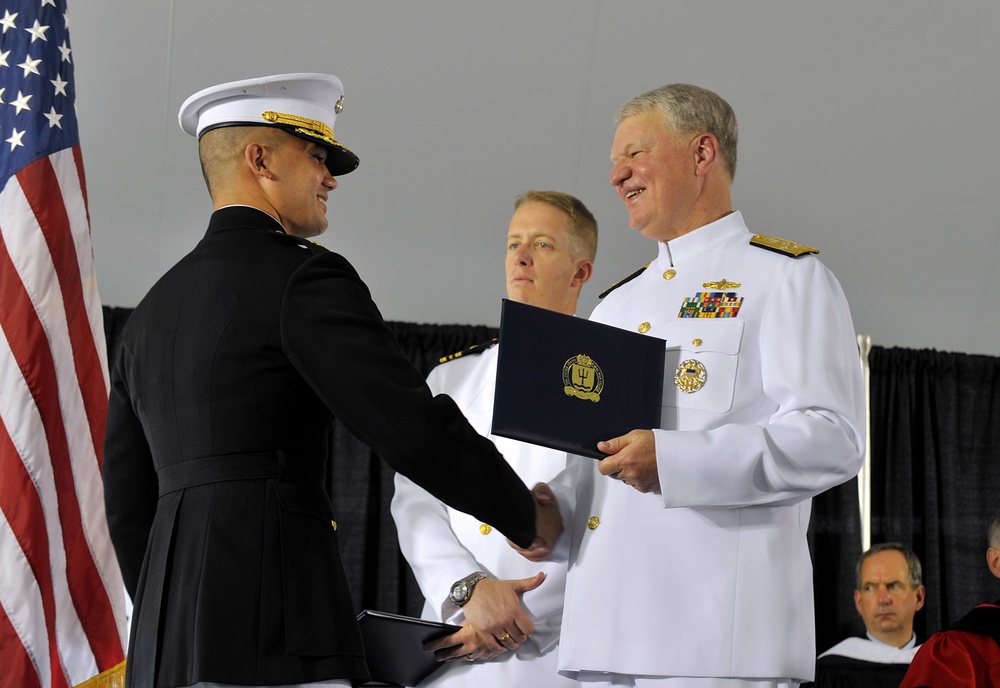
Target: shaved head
221, 151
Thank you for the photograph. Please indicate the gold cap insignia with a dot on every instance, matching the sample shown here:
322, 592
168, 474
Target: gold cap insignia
339, 106
310, 127
690, 376
582, 378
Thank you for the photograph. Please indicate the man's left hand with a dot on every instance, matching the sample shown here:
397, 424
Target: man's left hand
632, 459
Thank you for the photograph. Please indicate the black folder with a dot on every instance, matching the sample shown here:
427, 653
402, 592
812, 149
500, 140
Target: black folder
567, 383
394, 647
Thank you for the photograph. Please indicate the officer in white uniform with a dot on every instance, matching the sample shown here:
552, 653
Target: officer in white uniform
689, 564
467, 571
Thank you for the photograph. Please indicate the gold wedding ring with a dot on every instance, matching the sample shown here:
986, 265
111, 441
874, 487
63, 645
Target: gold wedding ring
504, 638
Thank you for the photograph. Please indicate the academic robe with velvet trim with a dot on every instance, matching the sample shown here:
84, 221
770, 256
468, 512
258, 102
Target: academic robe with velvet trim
225, 385
712, 578
964, 655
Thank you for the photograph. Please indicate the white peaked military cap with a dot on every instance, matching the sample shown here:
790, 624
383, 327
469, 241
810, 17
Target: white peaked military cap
304, 105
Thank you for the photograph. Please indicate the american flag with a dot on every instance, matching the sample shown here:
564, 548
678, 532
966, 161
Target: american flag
61, 594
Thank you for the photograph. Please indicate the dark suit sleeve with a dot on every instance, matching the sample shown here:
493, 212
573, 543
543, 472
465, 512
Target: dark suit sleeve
130, 484
333, 333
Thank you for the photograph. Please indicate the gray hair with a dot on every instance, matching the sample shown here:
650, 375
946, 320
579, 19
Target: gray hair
993, 532
691, 109
912, 562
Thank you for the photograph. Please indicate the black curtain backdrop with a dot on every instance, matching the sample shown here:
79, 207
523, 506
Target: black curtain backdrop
936, 470
835, 545
935, 453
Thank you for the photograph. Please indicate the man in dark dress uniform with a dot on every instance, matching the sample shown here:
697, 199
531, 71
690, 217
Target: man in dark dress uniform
227, 378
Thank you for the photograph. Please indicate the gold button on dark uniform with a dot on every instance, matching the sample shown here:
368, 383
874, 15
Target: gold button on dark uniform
334, 524
593, 522
485, 528
669, 274
644, 327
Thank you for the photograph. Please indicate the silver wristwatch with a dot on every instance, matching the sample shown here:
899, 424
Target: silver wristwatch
461, 591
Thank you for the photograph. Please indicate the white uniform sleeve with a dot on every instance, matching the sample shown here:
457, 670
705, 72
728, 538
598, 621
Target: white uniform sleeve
427, 541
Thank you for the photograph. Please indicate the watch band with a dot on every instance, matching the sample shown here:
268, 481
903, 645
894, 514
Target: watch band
461, 590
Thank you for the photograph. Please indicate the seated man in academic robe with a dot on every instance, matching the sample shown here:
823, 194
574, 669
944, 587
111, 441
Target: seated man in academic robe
888, 595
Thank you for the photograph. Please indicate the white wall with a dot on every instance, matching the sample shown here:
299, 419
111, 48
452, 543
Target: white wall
867, 130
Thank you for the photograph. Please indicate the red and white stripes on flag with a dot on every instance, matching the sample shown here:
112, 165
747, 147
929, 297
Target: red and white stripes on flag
61, 594
62, 603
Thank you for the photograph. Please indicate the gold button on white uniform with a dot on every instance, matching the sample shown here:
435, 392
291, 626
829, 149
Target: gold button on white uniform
696, 342
669, 274
593, 522
644, 327
485, 528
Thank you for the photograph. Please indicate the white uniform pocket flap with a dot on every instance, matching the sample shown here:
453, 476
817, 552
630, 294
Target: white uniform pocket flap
722, 336
700, 365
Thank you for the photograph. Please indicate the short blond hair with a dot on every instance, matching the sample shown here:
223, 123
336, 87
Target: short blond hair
582, 224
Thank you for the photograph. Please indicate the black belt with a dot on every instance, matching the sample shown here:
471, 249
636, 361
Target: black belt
217, 469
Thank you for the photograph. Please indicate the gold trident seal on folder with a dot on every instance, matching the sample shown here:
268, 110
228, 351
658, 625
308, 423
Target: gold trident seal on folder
582, 378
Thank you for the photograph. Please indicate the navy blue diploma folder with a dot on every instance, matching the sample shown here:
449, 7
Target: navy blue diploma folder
394, 647
567, 383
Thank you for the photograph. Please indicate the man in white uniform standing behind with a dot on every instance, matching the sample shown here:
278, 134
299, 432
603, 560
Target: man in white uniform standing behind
689, 564
510, 608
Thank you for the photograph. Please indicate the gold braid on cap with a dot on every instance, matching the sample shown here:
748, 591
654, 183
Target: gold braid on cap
303, 125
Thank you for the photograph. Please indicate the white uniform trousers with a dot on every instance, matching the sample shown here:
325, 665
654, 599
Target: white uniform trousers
602, 680
506, 671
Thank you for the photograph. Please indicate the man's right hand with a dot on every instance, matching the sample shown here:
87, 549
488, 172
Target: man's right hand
548, 525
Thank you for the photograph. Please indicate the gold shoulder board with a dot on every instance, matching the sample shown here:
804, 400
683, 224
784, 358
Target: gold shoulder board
782, 246
623, 281
471, 351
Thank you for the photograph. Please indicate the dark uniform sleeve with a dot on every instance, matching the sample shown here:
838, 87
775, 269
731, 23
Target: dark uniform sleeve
130, 484
335, 336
